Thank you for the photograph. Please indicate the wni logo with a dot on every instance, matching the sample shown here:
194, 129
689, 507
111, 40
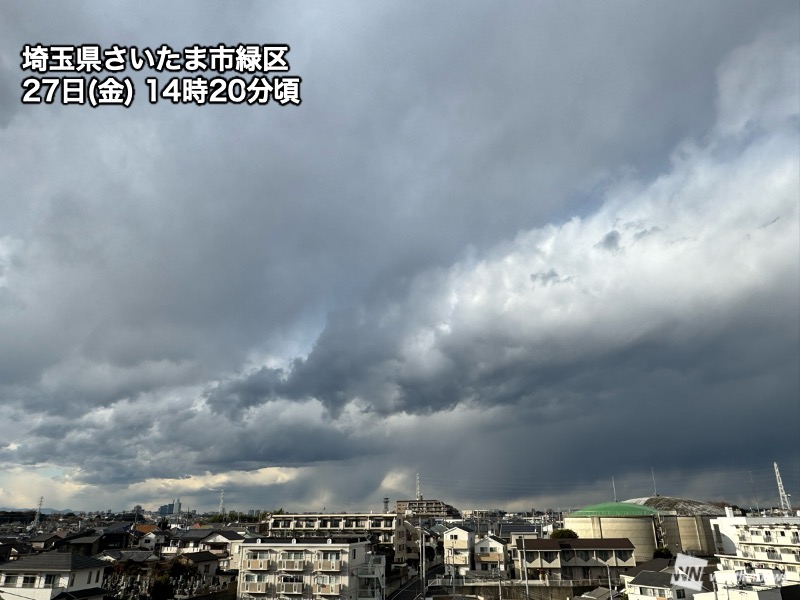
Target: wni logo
689, 572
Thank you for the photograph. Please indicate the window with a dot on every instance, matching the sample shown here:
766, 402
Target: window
354, 553
97, 577
71, 579
10, 581
681, 593
49, 580
89, 577
206, 568
28, 581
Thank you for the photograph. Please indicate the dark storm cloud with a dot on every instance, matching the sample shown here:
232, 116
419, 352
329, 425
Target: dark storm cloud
199, 291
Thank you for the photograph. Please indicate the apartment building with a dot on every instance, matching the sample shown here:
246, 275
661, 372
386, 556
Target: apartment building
650, 585
382, 528
426, 509
318, 568
750, 544
570, 559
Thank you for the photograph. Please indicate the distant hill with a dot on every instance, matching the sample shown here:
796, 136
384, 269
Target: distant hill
45, 511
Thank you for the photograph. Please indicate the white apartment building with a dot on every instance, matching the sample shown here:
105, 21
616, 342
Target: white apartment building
383, 528
650, 585
53, 575
310, 568
570, 559
750, 544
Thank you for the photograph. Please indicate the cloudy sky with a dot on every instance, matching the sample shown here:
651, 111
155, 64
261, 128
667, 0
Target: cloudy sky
520, 248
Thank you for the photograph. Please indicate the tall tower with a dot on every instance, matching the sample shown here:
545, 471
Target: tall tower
222, 502
38, 512
386, 504
786, 506
419, 492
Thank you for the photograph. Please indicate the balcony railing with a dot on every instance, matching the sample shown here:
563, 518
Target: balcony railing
256, 587
489, 557
258, 564
290, 588
292, 565
327, 565
328, 588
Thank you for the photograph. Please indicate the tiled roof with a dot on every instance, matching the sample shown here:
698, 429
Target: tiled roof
52, 561
654, 564
201, 556
576, 544
134, 555
657, 579
227, 534
193, 534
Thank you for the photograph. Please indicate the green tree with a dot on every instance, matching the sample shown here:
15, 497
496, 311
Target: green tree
662, 552
162, 589
560, 534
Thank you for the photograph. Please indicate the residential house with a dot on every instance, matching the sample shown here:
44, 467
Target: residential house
155, 540
186, 541
458, 548
490, 555
53, 575
206, 562
225, 546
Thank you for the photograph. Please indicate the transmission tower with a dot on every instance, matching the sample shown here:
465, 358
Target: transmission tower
419, 492
38, 512
222, 502
786, 506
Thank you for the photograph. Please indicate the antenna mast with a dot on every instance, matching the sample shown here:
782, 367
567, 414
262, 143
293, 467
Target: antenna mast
613, 485
786, 506
655, 491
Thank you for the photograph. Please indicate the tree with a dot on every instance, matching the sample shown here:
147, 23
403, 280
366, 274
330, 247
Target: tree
163, 524
162, 589
560, 534
662, 552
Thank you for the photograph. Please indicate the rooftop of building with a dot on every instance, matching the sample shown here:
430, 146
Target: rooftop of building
575, 544
684, 507
615, 509
52, 561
